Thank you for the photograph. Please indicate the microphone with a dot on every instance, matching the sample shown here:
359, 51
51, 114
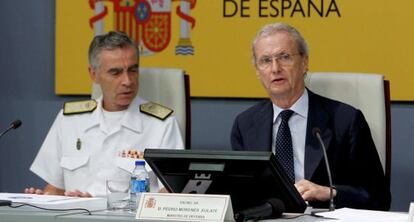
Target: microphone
317, 133
14, 125
272, 208
5, 203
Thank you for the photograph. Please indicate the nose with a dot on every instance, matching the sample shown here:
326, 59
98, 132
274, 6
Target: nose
274, 66
126, 78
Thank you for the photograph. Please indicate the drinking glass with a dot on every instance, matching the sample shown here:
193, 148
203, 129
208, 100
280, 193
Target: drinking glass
117, 193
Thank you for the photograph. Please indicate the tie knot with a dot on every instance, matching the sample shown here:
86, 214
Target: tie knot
285, 115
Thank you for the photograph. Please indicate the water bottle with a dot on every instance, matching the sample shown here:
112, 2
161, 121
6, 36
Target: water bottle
139, 183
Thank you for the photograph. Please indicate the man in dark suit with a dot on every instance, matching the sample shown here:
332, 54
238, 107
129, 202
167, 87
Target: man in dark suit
284, 125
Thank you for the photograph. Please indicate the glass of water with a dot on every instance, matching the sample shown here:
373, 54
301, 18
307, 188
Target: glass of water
117, 194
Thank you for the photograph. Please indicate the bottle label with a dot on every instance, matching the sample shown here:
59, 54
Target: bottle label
139, 186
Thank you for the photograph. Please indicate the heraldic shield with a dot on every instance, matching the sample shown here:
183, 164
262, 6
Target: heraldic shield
155, 18
146, 21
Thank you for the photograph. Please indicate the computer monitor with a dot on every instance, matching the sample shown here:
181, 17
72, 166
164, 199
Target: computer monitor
250, 178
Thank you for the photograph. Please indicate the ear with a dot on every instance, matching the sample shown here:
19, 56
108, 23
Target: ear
92, 74
305, 64
257, 73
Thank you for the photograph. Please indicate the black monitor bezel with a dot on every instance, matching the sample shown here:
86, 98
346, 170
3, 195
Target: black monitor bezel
289, 195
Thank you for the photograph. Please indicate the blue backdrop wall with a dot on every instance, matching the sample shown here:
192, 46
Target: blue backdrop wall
27, 93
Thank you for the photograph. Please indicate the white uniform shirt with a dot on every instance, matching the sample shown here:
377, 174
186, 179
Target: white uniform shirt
61, 164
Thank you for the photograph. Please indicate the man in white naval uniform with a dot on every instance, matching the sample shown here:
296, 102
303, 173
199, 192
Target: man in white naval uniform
87, 142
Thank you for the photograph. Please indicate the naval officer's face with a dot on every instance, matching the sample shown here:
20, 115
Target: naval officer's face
118, 76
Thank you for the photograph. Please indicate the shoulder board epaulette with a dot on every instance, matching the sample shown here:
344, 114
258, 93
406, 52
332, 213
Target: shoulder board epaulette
77, 107
156, 110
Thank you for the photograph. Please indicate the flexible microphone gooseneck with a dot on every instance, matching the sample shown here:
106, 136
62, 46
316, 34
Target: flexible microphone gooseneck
14, 125
317, 133
272, 208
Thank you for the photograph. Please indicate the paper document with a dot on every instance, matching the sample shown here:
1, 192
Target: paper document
354, 215
55, 201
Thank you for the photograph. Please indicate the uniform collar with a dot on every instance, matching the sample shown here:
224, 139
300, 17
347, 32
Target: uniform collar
133, 117
131, 120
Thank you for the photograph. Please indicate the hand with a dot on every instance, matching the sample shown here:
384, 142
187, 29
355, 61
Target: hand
33, 190
48, 190
311, 191
163, 190
77, 193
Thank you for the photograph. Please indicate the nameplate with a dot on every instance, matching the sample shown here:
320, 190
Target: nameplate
184, 207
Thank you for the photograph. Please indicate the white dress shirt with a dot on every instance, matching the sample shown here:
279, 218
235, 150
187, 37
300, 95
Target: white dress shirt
297, 124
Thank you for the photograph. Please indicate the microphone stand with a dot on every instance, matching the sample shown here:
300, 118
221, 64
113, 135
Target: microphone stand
7, 130
14, 125
331, 202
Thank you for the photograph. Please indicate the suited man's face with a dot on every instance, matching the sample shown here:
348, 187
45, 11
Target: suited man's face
280, 67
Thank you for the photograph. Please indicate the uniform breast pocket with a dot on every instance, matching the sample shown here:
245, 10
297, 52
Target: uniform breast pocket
75, 172
72, 163
126, 164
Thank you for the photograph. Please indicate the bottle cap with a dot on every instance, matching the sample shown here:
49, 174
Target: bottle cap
139, 163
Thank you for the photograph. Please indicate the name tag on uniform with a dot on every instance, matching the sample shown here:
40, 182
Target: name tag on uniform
184, 207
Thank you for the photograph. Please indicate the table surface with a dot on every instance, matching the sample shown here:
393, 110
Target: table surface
36, 215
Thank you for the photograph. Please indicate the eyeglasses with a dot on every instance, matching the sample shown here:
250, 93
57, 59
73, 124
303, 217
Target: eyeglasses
283, 59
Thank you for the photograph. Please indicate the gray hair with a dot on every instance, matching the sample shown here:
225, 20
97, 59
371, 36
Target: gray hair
271, 29
111, 40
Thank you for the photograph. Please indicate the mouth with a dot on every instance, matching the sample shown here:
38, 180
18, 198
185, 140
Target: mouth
128, 93
278, 80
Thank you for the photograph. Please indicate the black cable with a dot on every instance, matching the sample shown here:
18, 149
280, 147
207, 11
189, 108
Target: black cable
43, 208
295, 216
292, 216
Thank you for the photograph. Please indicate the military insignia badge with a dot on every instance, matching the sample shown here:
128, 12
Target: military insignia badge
77, 107
156, 110
78, 144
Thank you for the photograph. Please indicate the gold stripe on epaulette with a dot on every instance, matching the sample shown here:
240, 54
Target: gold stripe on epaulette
77, 107
153, 109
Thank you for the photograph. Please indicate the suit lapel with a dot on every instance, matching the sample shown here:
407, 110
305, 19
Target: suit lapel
317, 117
260, 134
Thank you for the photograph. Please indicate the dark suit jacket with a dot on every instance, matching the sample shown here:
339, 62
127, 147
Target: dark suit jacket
356, 169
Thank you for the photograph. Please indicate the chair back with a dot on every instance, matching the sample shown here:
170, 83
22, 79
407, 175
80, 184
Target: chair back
366, 92
168, 87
